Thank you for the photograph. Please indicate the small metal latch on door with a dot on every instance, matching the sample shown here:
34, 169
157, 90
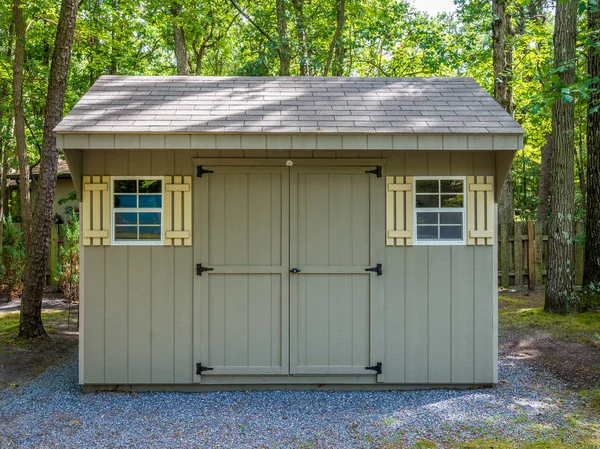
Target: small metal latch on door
200, 269
376, 269
295, 270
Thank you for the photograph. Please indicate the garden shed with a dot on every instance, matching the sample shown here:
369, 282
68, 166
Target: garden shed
288, 232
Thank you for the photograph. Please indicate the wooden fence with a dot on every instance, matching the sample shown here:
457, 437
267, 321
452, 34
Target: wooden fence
523, 254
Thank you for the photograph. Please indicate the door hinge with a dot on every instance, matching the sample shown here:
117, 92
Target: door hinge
377, 367
200, 269
376, 269
376, 171
200, 368
202, 171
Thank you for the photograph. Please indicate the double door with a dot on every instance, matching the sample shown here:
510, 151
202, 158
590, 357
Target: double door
283, 287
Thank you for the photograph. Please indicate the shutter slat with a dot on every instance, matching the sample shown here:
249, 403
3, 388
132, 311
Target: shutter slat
96, 210
178, 211
480, 210
399, 211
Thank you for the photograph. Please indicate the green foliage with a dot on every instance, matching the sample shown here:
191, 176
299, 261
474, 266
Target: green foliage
67, 275
12, 257
72, 196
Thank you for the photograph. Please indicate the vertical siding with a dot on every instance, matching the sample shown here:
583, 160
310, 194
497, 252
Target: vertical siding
138, 299
440, 301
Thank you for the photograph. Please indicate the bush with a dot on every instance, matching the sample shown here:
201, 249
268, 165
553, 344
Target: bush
12, 257
67, 274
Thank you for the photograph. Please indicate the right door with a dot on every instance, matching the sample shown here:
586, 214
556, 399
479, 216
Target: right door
330, 291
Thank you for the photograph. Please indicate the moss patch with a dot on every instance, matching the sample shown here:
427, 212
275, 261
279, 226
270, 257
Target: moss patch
53, 320
522, 313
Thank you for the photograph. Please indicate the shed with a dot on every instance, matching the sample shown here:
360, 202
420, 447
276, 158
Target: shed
295, 232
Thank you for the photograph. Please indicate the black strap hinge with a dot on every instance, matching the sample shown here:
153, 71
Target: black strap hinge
376, 269
377, 367
200, 269
202, 171
200, 369
376, 171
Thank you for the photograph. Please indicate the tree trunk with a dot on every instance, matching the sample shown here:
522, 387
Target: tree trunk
285, 53
502, 62
180, 46
559, 286
37, 251
19, 113
591, 268
544, 181
301, 36
340, 22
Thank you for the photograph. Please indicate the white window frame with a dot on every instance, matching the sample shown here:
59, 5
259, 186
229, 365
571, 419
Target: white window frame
114, 210
416, 241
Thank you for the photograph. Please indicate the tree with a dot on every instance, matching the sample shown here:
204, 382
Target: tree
591, 270
180, 44
336, 51
559, 284
38, 243
544, 179
19, 114
503, 59
285, 54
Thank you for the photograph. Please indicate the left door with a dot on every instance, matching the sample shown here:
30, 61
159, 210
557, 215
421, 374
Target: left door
242, 218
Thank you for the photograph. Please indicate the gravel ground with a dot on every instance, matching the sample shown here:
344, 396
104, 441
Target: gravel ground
51, 412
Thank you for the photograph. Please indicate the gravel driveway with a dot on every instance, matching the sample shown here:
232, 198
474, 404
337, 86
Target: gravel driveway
51, 412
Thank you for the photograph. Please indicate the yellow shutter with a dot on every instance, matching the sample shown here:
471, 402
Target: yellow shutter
178, 210
95, 220
480, 210
399, 211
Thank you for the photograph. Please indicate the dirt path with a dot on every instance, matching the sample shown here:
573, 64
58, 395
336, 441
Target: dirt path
571, 356
21, 361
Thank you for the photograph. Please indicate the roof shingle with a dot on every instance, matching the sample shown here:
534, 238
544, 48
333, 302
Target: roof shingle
287, 105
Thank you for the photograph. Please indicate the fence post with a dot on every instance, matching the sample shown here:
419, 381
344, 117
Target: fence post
539, 253
518, 252
53, 253
504, 255
530, 256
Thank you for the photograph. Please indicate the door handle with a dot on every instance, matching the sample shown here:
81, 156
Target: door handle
295, 270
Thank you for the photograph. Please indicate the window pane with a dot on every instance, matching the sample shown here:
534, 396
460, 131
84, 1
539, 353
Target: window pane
152, 186
452, 201
125, 232
428, 201
451, 217
427, 218
125, 200
126, 218
452, 186
148, 218
427, 232
125, 186
427, 185
451, 232
149, 232
147, 201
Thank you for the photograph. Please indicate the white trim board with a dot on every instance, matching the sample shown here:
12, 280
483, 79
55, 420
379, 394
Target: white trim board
316, 142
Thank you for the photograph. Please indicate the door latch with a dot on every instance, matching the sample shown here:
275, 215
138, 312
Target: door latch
295, 270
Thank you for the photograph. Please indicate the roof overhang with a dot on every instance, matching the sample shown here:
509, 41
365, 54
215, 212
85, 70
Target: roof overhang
290, 141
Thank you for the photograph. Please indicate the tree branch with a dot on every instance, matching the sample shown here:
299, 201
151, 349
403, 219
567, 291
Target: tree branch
247, 16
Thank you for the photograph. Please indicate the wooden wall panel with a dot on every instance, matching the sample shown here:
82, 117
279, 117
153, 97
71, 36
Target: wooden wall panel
116, 310
439, 320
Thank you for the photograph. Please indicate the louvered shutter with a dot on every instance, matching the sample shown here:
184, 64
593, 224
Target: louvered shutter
399, 210
178, 211
95, 220
480, 210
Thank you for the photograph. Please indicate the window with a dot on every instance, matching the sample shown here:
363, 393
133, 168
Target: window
439, 210
137, 210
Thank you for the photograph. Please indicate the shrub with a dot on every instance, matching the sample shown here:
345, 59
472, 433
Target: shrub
12, 257
67, 275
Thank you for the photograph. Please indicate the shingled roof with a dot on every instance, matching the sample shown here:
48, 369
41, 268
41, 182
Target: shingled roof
134, 104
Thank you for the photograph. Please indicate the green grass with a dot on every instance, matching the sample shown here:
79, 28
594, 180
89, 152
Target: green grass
9, 325
517, 312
